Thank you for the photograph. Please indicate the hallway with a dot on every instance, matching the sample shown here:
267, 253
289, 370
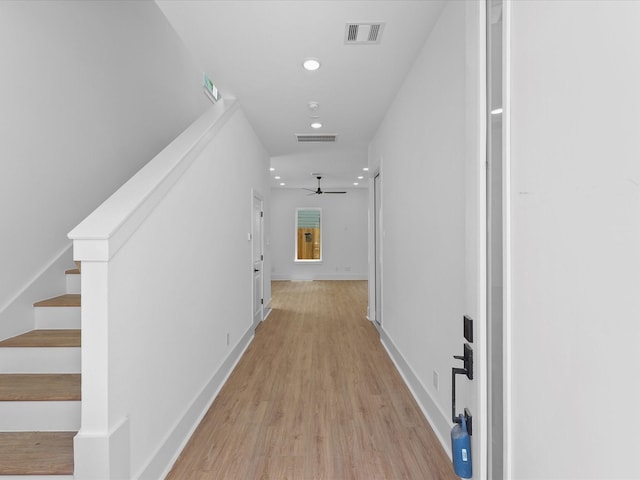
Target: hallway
314, 396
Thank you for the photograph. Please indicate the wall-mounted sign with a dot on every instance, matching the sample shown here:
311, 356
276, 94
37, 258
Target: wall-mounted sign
210, 89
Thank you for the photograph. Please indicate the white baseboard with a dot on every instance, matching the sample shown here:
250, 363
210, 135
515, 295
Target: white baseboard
102, 455
320, 276
164, 458
433, 413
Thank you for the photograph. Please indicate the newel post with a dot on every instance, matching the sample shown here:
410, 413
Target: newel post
101, 447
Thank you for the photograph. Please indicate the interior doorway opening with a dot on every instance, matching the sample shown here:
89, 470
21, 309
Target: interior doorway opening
377, 247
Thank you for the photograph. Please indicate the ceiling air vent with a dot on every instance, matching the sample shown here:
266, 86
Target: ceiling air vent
363, 33
307, 138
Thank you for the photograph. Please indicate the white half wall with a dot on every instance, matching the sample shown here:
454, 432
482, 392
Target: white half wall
575, 260
90, 92
344, 235
167, 289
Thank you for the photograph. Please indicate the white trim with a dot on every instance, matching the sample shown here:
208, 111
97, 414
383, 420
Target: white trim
166, 455
291, 277
377, 316
256, 195
102, 455
481, 426
506, 241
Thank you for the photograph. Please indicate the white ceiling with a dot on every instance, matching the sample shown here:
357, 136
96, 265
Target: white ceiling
253, 51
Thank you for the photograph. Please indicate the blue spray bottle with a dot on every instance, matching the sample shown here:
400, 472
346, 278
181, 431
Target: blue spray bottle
461, 449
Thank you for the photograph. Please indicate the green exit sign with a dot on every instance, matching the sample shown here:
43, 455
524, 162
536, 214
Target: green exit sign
210, 89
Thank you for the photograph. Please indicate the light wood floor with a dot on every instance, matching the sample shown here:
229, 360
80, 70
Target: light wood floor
36, 453
314, 397
35, 387
44, 338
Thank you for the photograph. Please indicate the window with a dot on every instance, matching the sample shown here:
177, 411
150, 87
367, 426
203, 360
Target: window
308, 235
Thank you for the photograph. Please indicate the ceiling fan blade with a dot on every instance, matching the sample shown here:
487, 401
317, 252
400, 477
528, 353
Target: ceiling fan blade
334, 192
310, 189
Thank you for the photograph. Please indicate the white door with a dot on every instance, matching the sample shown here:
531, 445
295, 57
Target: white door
257, 258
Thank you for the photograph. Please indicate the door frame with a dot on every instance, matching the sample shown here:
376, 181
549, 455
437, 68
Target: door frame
377, 248
257, 198
505, 192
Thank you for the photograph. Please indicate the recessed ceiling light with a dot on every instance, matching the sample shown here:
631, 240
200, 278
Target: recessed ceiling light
355, 183
496, 111
271, 169
360, 177
365, 169
282, 184
311, 64
316, 125
277, 178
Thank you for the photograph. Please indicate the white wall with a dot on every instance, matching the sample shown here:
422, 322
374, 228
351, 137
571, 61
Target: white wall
344, 235
575, 264
158, 310
90, 92
420, 150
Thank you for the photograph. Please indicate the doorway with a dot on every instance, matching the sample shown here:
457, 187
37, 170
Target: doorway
377, 247
257, 245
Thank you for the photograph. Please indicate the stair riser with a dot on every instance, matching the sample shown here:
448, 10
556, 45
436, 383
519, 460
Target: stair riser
40, 360
57, 317
73, 284
44, 416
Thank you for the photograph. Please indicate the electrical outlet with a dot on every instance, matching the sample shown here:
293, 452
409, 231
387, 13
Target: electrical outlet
436, 380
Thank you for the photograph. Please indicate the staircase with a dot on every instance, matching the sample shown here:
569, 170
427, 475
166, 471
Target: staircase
40, 390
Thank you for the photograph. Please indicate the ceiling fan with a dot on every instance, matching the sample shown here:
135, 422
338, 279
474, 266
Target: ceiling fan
319, 191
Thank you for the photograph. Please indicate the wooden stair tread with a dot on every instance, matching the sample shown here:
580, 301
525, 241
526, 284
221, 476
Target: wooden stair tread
72, 271
36, 453
44, 338
39, 387
66, 300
